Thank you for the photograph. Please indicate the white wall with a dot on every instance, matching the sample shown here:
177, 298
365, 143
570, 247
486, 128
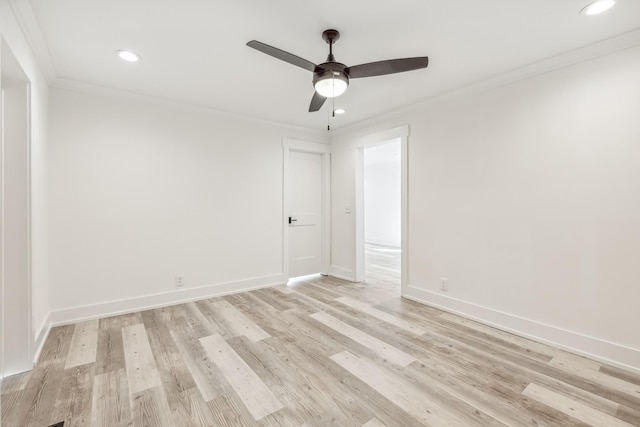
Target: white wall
143, 191
382, 194
527, 198
20, 48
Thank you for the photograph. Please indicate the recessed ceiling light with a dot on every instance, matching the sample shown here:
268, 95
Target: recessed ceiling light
339, 111
598, 7
127, 55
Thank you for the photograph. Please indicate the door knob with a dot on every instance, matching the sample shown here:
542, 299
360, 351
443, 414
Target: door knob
291, 220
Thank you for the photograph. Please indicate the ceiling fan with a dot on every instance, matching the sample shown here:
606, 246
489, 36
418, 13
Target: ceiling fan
331, 78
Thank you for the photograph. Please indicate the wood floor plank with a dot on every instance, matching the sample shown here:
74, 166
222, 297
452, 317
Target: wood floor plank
174, 374
258, 399
37, 400
196, 316
149, 408
320, 351
505, 336
73, 401
373, 422
398, 392
110, 403
385, 350
381, 295
57, 344
228, 411
473, 335
502, 406
275, 299
575, 362
110, 349
14, 383
297, 384
200, 368
142, 373
83, 344
193, 410
572, 408
237, 322
600, 403
284, 289
389, 318
631, 416
589, 373
620, 373
346, 391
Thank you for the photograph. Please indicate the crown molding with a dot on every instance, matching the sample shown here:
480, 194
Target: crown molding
23, 11
32, 31
93, 89
563, 60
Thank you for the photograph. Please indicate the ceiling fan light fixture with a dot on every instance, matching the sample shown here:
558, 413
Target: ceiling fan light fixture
330, 84
127, 55
598, 7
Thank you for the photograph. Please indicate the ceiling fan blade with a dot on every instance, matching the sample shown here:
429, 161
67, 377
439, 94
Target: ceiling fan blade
282, 55
316, 102
390, 66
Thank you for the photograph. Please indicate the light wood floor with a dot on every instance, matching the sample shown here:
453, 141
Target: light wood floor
382, 265
321, 352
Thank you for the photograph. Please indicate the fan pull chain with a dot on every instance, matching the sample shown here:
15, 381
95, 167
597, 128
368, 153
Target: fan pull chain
333, 113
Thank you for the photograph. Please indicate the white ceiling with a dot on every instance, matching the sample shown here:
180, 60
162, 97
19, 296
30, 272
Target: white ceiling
194, 50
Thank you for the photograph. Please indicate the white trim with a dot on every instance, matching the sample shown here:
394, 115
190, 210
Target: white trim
358, 145
342, 273
147, 302
104, 91
31, 340
289, 145
594, 348
28, 140
41, 337
380, 138
563, 60
24, 14
2, 192
358, 214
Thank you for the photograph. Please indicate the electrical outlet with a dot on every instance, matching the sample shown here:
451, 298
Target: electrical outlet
179, 281
444, 284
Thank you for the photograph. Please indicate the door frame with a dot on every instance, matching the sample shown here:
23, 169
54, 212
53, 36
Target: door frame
380, 138
10, 66
324, 150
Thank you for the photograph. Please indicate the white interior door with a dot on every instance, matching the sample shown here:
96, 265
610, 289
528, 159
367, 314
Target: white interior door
305, 213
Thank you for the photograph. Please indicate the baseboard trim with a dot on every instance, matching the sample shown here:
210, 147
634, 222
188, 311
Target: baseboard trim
598, 349
147, 302
41, 337
342, 273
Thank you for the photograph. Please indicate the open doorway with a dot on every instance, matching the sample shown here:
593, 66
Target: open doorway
389, 256
382, 213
